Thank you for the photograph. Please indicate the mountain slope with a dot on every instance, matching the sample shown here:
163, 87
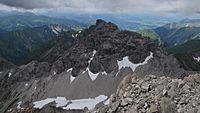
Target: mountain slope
16, 45
83, 74
183, 23
150, 33
173, 37
186, 52
53, 49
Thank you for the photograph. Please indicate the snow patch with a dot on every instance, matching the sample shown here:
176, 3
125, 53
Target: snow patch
126, 63
26, 84
58, 29
72, 78
19, 105
89, 103
76, 35
197, 59
69, 70
104, 73
54, 73
9, 74
42, 103
107, 102
92, 75
73, 104
20, 25
55, 31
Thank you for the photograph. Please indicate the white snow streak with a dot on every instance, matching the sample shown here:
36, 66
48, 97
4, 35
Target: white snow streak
72, 78
92, 75
54, 73
42, 103
89, 103
19, 105
9, 75
26, 84
126, 63
55, 31
69, 70
197, 59
104, 73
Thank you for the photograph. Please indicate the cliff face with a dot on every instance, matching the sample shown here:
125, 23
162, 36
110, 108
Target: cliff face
151, 94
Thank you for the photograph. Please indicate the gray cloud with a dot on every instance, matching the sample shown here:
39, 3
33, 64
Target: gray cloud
158, 6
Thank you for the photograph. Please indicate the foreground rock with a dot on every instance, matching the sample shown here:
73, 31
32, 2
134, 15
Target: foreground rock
153, 94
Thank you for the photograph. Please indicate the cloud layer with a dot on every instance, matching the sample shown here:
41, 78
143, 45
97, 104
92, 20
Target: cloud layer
157, 6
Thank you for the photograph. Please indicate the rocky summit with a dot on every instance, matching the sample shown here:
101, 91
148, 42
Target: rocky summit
81, 70
151, 94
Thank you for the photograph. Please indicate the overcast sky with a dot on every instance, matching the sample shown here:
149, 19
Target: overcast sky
115, 6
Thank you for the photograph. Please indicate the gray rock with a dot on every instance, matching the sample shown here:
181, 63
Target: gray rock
152, 109
167, 106
114, 106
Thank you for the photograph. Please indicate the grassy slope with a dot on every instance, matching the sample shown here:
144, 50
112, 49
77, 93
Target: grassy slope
150, 33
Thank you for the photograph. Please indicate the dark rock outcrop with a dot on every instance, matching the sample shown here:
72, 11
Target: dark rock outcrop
110, 45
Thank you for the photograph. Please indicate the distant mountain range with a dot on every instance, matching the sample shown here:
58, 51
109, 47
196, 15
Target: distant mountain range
13, 22
22, 33
178, 33
177, 36
15, 45
183, 23
182, 39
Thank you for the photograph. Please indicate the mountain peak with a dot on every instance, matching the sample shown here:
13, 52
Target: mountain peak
103, 25
87, 64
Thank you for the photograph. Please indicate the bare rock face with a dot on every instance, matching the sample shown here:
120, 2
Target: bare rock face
110, 45
163, 65
153, 94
